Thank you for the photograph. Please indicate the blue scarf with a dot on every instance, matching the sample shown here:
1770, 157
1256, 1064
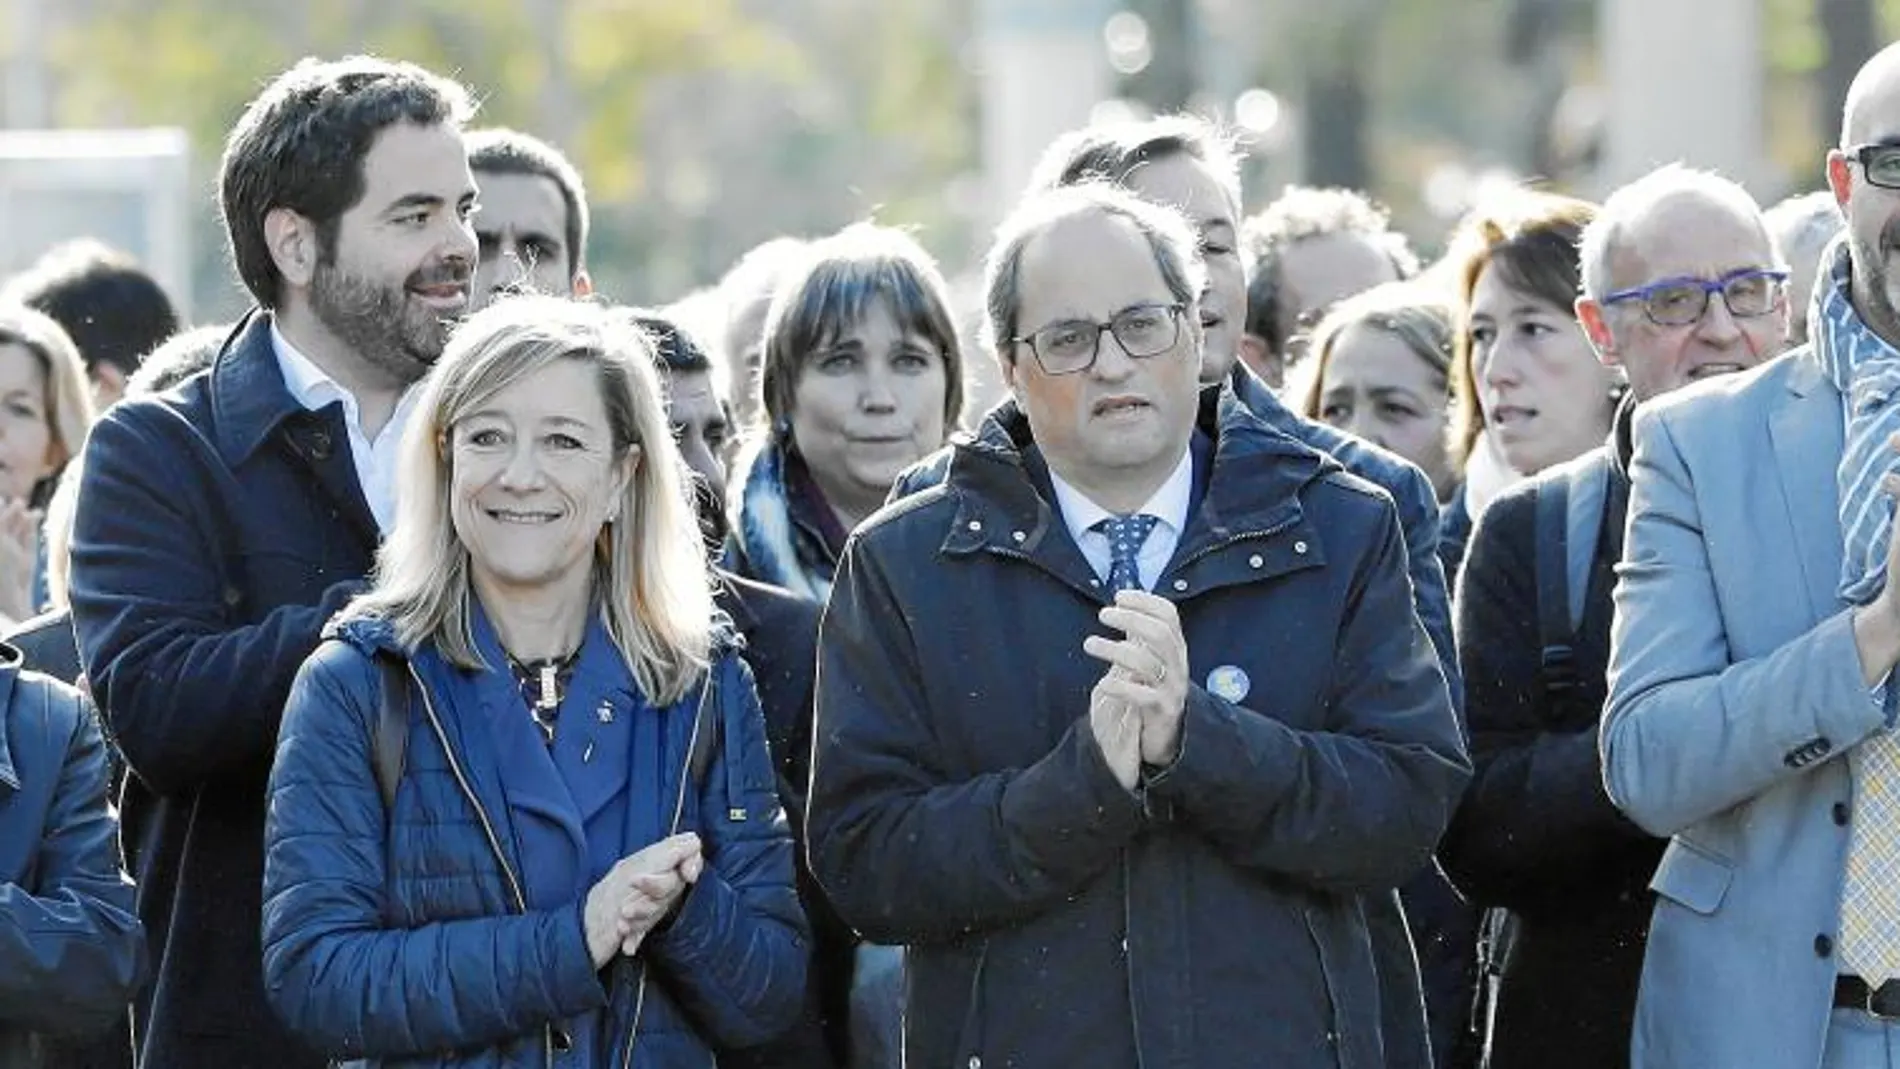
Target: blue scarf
1867, 372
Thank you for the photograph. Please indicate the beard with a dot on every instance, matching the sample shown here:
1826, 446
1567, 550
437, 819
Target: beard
382, 325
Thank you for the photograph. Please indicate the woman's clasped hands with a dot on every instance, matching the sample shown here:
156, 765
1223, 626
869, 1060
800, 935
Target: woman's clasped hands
638, 893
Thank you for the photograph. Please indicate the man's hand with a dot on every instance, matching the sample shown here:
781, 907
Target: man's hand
1148, 668
1117, 731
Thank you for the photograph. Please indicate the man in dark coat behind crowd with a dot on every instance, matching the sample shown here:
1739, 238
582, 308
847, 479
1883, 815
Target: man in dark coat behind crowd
220, 525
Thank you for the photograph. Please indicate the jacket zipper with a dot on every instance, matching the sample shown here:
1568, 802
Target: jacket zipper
1128, 952
673, 827
488, 829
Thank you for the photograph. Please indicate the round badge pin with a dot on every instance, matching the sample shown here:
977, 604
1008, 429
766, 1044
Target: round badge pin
1229, 683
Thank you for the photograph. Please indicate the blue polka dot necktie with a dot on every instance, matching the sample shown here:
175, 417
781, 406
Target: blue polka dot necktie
1125, 537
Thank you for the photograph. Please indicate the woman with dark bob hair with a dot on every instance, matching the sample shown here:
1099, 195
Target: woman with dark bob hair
1524, 377
569, 842
863, 377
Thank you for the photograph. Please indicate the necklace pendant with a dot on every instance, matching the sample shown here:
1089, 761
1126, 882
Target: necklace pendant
550, 698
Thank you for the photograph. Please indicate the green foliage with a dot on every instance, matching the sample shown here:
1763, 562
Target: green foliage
701, 127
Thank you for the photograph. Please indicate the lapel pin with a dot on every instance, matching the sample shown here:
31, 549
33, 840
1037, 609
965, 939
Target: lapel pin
605, 713
1229, 683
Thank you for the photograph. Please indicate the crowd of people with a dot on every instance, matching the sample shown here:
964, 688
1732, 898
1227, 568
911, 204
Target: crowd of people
1315, 658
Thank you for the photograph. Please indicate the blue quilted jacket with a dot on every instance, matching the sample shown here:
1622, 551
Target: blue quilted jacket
404, 938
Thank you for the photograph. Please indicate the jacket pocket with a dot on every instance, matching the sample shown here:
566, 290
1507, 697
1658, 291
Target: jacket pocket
1692, 877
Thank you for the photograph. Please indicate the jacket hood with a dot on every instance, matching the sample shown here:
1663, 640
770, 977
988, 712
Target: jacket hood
775, 548
369, 634
1239, 437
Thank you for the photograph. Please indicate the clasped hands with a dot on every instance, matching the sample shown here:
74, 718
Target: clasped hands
638, 893
1135, 708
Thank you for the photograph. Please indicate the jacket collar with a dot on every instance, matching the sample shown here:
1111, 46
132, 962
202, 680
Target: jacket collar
779, 545
1253, 488
248, 397
1623, 434
10, 662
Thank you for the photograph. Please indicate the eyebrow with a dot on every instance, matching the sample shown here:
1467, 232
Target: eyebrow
495, 414
1394, 391
413, 200
523, 237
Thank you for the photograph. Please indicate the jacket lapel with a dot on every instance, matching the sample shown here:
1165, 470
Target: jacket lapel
1808, 437
320, 441
594, 745
252, 404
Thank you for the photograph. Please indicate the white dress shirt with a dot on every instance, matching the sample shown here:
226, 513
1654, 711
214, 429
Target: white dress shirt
1169, 506
375, 459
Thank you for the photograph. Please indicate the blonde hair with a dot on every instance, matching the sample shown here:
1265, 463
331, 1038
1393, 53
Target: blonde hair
68, 400
651, 585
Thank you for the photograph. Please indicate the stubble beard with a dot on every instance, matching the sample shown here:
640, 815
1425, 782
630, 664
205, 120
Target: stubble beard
395, 336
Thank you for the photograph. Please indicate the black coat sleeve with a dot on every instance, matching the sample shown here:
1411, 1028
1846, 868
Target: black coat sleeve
190, 695
1536, 821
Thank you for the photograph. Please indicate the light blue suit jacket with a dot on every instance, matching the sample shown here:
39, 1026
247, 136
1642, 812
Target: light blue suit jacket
1735, 692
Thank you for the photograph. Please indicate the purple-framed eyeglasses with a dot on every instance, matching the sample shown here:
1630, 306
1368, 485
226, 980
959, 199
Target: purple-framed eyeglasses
1678, 302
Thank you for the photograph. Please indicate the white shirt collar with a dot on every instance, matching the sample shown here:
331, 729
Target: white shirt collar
1169, 504
309, 385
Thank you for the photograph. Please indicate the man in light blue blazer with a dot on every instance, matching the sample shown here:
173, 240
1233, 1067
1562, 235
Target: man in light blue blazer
1750, 715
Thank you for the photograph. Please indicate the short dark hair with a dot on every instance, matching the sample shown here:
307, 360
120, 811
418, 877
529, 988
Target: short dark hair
498, 150
835, 286
300, 145
1300, 213
1111, 152
674, 350
113, 310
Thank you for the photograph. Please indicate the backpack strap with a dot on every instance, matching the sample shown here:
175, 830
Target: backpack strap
1589, 482
389, 742
1554, 631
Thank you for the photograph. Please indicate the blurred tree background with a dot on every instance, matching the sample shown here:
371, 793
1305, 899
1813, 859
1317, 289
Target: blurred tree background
707, 126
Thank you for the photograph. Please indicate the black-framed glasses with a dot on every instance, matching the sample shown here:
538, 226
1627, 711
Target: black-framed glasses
1068, 346
1678, 302
1879, 162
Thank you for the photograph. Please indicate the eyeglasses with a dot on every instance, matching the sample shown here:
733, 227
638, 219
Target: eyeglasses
1880, 163
1678, 302
1068, 346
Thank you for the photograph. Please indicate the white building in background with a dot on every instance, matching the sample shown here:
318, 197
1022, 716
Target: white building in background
1044, 69
127, 188
1683, 80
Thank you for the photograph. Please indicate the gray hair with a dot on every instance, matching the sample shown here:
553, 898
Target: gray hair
1803, 224
1113, 152
1598, 244
1169, 236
